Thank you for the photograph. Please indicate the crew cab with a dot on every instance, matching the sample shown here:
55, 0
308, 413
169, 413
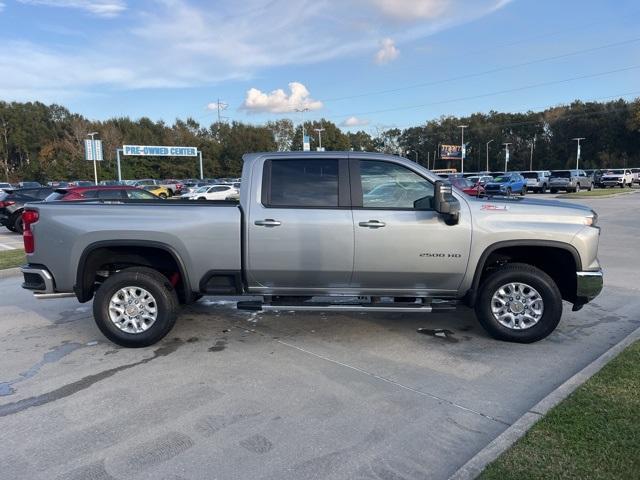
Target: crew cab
319, 231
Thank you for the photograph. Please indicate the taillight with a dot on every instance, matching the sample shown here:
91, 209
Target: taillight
7, 203
29, 217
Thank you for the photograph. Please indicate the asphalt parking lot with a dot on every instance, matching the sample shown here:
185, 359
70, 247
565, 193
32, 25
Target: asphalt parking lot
233, 395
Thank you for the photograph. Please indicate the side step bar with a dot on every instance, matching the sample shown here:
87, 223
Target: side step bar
437, 307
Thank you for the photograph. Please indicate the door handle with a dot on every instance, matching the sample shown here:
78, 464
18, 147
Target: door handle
372, 224
269, 222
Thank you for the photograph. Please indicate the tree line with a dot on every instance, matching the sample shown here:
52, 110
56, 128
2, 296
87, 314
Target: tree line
45, 142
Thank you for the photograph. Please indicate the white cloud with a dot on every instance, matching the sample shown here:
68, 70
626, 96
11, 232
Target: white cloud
278, 101
354, 122
181, 43
102, 8
413, 9
2, 5
388, 52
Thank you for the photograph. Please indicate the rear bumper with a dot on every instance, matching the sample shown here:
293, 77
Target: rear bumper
589, 285
38, 279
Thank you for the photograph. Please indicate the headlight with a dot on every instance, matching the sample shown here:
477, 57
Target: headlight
591, 220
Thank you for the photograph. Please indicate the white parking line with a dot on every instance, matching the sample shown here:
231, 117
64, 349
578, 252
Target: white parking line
4, 246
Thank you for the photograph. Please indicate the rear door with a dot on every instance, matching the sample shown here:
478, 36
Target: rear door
398, 248
300, 226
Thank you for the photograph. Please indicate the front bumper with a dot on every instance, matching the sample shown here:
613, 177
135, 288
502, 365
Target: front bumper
611, 182
589, 285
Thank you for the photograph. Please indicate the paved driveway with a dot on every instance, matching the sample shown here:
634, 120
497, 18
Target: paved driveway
232, 395
9, 240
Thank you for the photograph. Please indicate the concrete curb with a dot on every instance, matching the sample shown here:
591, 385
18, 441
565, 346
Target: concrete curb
9, 272
506, 439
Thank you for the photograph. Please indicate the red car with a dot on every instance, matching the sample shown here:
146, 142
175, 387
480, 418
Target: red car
472, 189
101, 192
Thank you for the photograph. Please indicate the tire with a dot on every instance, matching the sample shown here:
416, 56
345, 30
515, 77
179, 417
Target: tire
523, 192
165, 302
201, 198
622, 185
11, 228
577, 189
162, 195
591, 187
508, 191
553, 190
533, 278
17, 224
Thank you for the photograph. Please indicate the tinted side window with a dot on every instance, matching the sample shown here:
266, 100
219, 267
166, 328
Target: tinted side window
90, 194
110, 194
388, 185
302, 183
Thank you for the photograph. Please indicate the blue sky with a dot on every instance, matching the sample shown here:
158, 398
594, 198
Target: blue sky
264, 58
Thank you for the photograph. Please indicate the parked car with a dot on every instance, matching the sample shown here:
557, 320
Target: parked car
12, 205
143, 182
596, 175
468, 187
481, 180
617, 177
161, 191
215, 192
29, 185
175, 186
191, 186
570, 181
636, 175
81, 183
6, 186
306, 228
506, 184
101, 192
537, 180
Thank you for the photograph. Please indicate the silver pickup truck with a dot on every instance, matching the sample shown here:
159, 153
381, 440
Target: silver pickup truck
319, 231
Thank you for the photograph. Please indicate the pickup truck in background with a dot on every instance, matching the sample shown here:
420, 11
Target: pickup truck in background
319, 231
619, 177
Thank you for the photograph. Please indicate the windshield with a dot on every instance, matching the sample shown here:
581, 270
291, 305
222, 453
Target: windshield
562, 174
502, 179
617, 171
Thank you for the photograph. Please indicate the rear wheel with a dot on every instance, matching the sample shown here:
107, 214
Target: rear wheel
162, 195
519, 303
553, 190
135, 307
17, 224
577, 189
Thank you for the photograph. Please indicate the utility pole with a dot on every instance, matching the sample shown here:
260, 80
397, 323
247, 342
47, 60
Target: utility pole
578, 152
428, 160
93, 151
320, 130
487, 145
301, 111
535, 135
506, 157
221, 107
462, 127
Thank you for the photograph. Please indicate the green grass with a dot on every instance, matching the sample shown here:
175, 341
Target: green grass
593, 434
598, 192
12, 258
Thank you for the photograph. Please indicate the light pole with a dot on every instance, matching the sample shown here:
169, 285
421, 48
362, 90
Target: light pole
578, 152
319, 130
535, 135
462, 151
428, 160
93, 152
302, 110
487, 145
506, 156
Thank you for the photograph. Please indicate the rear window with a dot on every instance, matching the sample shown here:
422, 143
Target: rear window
55, 196
301, 183
561, 174
529, 175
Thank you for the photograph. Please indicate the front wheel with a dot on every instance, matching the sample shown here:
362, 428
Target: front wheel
135, 307
162, 195
519, 303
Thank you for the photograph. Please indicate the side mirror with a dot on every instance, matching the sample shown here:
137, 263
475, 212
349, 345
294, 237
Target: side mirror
445, 203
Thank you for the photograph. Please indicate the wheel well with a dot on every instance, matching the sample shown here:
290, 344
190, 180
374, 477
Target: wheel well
97, 264
559, 263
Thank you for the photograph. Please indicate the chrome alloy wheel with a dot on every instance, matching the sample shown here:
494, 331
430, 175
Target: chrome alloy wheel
133, 309
517, 306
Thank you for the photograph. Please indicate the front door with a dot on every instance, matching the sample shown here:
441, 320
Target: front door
300, 229
398, 248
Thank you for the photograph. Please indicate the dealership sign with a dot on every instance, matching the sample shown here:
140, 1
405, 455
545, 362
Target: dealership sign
159, 151
451, 152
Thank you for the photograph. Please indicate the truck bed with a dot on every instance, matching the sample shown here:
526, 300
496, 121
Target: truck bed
204, 235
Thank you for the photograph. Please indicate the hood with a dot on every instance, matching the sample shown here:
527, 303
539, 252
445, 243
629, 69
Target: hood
515, 209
